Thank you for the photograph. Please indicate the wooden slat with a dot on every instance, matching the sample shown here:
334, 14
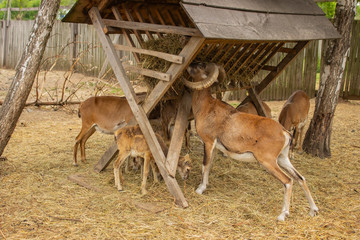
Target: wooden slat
138, 112
152, 27
253, 60
181, 123
147, 72
269, 68
130, 19
126, 33
272, 75
238, 56
243, 62
165, 56
234, 52
259, 88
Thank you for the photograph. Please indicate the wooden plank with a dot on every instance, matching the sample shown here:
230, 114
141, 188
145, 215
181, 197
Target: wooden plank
188, 52
138, 112
267, 6
147, 72
257, 102
165, 56
106, 158
222, 23
80, 180
181, 123
136, 26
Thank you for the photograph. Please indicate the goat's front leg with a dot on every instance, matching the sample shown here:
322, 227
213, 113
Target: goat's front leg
117, 172
146, 173
209, 147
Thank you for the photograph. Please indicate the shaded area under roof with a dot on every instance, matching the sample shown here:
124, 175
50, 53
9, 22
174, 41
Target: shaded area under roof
246, 20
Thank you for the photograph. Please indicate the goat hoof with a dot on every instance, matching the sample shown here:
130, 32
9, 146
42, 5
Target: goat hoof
200, 189
75, 165
283, 216
313, 212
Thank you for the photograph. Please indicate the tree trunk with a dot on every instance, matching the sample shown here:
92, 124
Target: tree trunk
318, 136
26, 70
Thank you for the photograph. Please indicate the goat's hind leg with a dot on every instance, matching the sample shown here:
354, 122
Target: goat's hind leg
276, 171
285, 163
208, 158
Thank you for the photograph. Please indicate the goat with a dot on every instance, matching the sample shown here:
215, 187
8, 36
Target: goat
105, 114
131, 142
168, 112
293, 116
240, 135
250, 108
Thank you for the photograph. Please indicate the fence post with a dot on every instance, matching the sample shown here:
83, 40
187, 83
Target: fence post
74, 38
6, 24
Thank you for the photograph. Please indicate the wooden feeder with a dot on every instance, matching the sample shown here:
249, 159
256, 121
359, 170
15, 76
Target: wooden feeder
240, 35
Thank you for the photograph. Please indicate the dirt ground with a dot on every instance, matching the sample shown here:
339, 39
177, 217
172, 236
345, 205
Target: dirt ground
38, 201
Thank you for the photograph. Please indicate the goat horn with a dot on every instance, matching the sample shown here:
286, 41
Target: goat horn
207, 82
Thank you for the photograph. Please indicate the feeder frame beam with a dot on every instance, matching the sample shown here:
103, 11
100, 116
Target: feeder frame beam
166, 56
138, 111
136, 26
177, 138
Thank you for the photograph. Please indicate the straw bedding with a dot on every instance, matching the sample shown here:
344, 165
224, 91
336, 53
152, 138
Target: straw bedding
37, 201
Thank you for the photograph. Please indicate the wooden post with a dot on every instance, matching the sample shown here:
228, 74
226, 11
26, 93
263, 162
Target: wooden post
138, 111
5, 26
177, 138
74, 36
257, 102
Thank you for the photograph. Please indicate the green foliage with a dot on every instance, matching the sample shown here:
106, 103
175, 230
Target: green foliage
29, 15
328, 8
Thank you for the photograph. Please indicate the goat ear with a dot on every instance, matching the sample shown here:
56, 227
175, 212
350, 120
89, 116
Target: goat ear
222, 74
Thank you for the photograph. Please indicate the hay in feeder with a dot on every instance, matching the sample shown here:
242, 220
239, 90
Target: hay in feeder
173, 44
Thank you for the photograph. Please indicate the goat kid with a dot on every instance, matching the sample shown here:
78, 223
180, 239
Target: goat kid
241, 136
131, 142
293, 117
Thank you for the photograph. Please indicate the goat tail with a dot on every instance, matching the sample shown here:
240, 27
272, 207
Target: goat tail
292, 137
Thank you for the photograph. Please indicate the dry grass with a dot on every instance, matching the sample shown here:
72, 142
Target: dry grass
37, 201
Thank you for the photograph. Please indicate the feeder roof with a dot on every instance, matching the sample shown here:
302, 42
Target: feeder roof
246, 20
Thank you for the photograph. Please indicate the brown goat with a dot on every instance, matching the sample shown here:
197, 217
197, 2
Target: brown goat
105, 114
241, 136
293, 116
131, 142
250, 108
168, 112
